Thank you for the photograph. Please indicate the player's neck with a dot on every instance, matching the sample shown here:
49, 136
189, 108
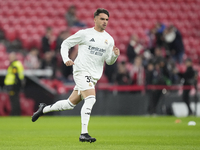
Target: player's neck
98, 29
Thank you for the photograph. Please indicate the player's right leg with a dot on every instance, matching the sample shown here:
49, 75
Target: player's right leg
61, 105
89, 101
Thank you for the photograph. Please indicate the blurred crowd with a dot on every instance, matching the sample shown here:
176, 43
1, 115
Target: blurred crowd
48, 57
151, 62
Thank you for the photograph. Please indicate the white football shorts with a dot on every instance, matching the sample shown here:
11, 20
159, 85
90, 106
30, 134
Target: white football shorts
84, 81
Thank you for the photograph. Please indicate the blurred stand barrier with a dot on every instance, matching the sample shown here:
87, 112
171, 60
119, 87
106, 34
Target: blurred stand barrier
111, 99
31, 72
133, 100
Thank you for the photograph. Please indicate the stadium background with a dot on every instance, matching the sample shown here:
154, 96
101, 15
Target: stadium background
26, 21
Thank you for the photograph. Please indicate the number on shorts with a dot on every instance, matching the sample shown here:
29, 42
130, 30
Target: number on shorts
88, 78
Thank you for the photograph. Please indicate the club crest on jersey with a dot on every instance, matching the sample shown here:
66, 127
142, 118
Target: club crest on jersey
106, 41
90, 84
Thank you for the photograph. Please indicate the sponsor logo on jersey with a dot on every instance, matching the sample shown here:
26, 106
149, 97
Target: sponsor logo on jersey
96, 50
106, 41
92, 40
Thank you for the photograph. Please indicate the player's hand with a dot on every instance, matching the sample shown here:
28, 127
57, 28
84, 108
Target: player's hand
69, 63
116, 50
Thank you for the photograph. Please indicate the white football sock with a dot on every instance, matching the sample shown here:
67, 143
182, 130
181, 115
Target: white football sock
86, 111
59, 106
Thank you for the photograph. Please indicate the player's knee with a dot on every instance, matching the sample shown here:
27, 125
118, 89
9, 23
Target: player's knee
68, 105
90, 100
88, 105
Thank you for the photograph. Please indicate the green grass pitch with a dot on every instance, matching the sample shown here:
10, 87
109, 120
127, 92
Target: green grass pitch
111, 132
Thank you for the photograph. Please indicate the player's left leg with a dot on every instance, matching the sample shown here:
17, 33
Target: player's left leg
89, 101
66, 104
61, 105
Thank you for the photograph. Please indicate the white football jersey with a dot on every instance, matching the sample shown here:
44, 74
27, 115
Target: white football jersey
94, 48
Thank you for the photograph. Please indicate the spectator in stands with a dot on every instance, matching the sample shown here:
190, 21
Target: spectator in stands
174, 40
157, 57
32, 60
165, 72
161, 76
158, 54
49, 62
72, 19
47, 40
67, 70
173, 70
137, 72
110, 72
122, 76
160, 28
189, 79
134, 48
151, 40
149, 75
167, 66
61, 37
155, 94
13, 82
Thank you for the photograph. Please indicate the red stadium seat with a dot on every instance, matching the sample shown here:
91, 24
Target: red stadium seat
46, 21
26, 41
129, 66
27, 105
59, 23
51, 12
2, 48
36, 41
35, 21
40, 12
122, 57
41, 30
5, 107
103, 79
73, 30
5, 64
10, 34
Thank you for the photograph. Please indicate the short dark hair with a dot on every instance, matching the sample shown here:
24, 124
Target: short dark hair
101, 10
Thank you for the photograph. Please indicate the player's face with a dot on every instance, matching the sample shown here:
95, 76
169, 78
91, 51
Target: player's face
101, 22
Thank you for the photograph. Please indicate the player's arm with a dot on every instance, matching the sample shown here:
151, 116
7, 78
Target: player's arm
67, 44
113, 55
